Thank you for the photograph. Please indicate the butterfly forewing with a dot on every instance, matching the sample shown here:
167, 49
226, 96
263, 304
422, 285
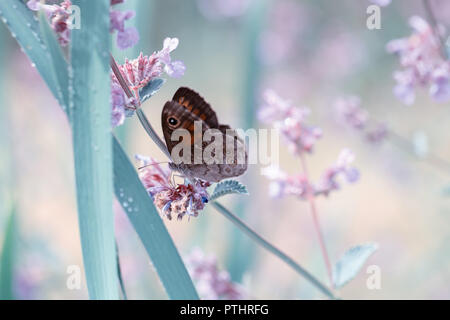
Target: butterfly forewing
195, 104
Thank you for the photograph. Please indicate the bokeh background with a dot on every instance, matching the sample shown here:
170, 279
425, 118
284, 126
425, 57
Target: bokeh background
310, 52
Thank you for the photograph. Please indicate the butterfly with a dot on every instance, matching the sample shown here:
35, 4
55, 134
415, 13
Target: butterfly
186, 110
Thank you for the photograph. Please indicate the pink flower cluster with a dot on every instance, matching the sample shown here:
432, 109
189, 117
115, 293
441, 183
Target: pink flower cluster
349, 112
300, 138
138, 73
210, 282
59, 15
171, 198
283, 185
422, 62
290, 121
127, 37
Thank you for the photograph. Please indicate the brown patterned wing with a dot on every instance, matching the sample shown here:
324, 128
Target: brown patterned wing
195, 104
174, 117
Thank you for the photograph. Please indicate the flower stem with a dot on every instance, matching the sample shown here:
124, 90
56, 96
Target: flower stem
141, 116
119, 274
272, 249
312, 204
435, 26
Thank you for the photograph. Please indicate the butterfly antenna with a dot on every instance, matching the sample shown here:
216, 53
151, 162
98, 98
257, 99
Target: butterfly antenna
152, 164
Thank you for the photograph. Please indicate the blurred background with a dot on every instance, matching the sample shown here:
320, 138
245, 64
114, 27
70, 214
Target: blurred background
310, 52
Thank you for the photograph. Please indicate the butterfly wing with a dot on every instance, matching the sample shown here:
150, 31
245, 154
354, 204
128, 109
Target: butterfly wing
195, 104
182, 112
173, 111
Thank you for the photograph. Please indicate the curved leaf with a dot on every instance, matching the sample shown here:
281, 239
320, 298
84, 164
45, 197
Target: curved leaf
228, 187
351, 262
150, 89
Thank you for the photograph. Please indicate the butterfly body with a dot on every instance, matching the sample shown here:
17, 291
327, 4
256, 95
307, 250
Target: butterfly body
190, 112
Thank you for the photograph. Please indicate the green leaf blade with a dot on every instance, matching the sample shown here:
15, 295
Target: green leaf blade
148, 224
93, 148
7, 259
25, 29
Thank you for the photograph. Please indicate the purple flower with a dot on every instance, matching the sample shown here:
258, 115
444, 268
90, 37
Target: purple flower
378, 134
440, 83
283, 185
137, 73
211, 283
422, 63
171, 198
126, 37
173, 69
349, 111
58, 16
343, 167
290, 121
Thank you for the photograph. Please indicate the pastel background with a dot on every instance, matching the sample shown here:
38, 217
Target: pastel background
310, 52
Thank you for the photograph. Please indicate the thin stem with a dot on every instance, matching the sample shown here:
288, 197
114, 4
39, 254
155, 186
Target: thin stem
406, 146
141, 116
312, 204
432, 159
119, 77
119, 274
272, 249
435, 26
152, 133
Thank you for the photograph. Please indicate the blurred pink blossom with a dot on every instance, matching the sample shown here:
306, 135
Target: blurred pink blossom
290, 121
422, 62
171, 198
283, 185
127, 37
57, 15
343, 167
349, 111
210, 282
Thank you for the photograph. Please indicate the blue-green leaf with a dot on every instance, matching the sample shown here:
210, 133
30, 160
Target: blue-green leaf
25, 29
351, 262
59, 70
151, 88
93, 147
142, 213
228, 187
7, 259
